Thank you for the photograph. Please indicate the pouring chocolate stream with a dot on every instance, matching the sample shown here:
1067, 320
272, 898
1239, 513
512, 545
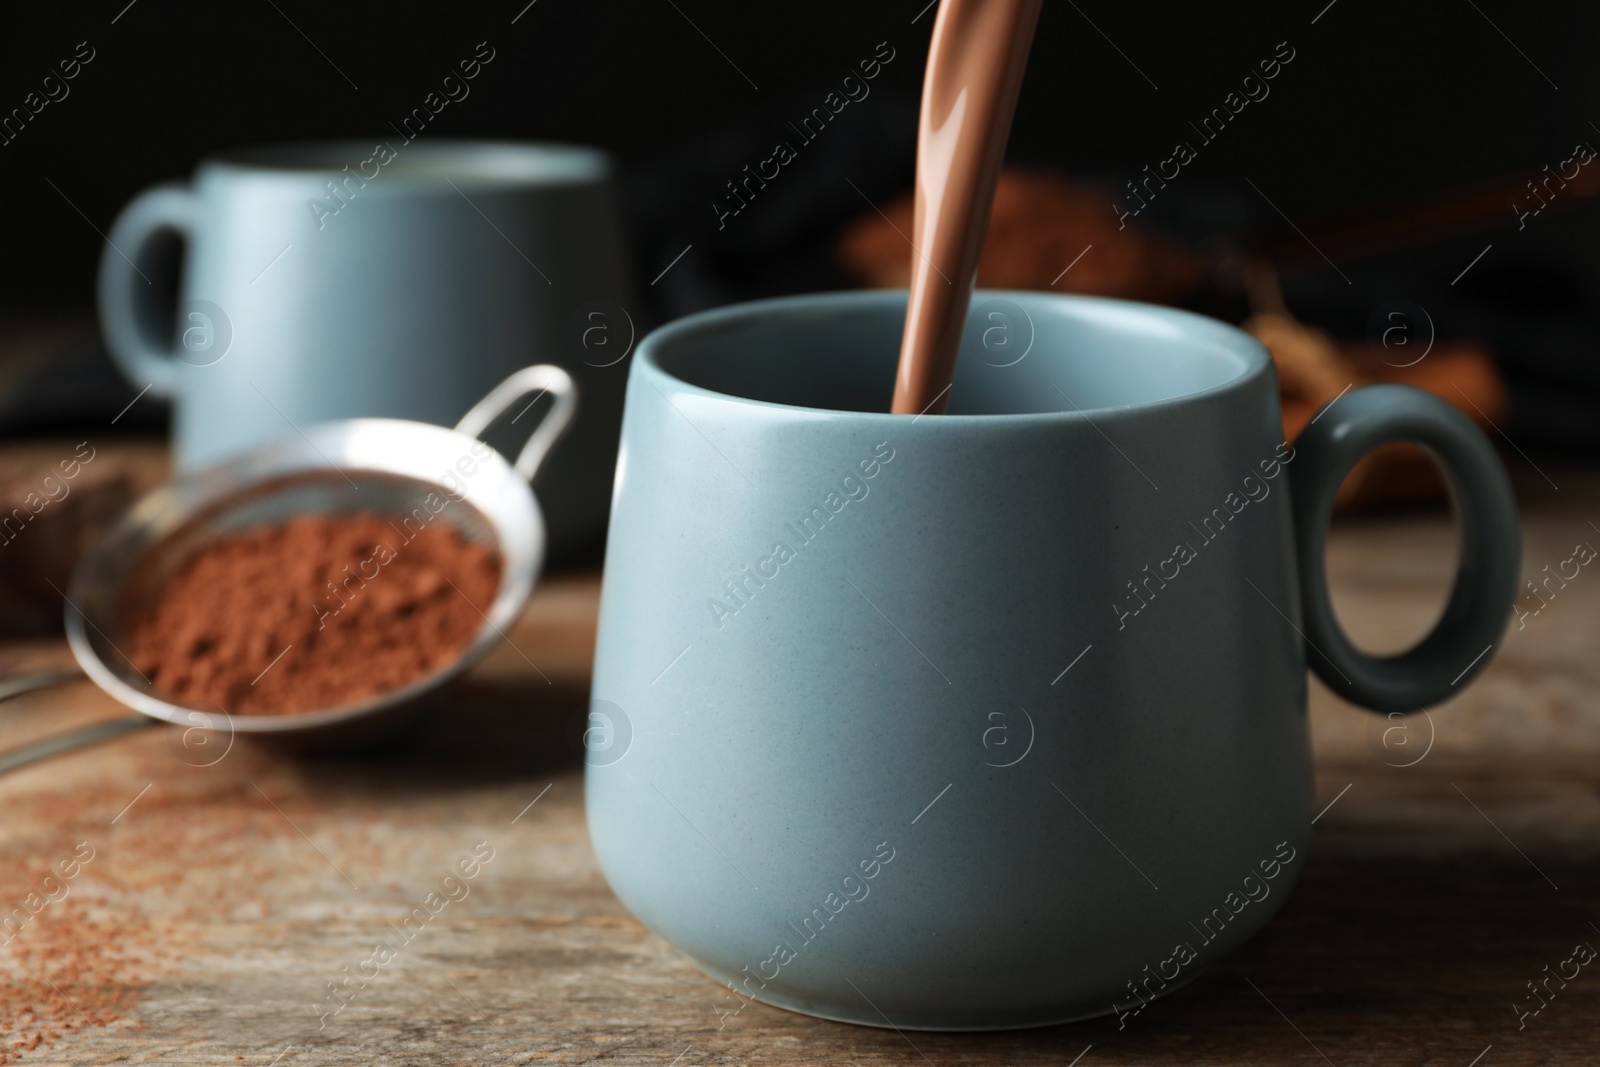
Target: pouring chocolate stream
969, 95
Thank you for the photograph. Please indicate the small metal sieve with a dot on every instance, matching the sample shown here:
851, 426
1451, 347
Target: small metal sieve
395, 467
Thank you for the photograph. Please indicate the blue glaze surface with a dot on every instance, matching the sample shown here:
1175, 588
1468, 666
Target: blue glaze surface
409, 292
943, 675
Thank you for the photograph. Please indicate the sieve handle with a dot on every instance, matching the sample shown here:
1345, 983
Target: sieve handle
29, 683
80, 737
535, 381
12, 758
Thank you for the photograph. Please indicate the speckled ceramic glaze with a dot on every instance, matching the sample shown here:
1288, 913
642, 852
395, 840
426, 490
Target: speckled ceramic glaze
989, 719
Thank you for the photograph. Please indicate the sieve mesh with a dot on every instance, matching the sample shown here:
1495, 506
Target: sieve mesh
415, 473
403, 501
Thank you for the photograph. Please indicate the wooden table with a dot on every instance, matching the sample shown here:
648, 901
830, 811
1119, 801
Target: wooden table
221, 899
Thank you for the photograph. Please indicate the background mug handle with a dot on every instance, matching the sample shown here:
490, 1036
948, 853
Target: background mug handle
138, 331
1486, 581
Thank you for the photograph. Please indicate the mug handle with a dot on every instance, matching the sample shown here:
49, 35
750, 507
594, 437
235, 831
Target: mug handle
1486, 581
531, 382
139, 334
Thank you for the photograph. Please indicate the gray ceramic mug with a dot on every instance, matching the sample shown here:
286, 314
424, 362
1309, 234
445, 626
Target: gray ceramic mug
996, 718
341, 279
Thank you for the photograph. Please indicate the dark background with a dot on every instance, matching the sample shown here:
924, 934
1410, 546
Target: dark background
1385, 104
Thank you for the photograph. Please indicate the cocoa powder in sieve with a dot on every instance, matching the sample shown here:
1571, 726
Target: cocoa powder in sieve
322, 611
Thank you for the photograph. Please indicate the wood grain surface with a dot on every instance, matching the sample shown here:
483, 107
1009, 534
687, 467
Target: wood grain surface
1456, 860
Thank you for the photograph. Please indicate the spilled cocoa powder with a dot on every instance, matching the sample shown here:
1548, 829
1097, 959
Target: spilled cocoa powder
67, 971
319, 612
158, 899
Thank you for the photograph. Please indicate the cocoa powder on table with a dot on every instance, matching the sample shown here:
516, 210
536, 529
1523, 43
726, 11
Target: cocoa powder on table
322, 611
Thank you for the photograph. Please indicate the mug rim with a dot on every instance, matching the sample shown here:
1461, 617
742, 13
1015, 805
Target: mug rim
1258, 362
573, 164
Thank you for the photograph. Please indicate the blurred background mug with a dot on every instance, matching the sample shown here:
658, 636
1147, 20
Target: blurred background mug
994, 718
337, 279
